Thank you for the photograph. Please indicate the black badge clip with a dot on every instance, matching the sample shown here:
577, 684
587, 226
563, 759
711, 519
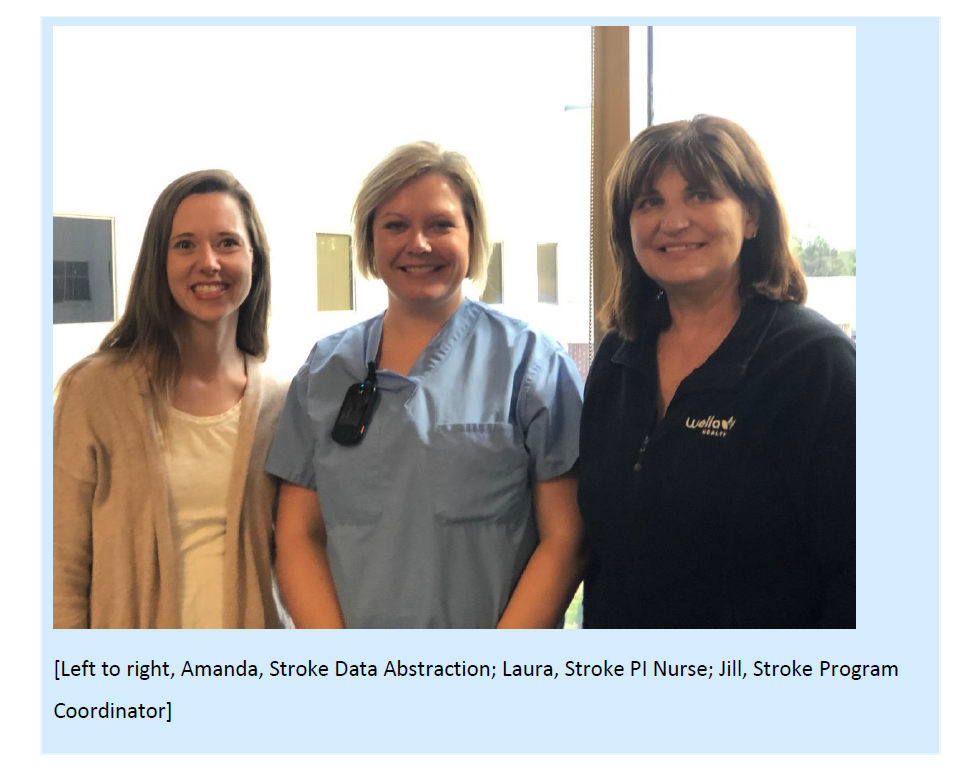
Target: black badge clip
357, 409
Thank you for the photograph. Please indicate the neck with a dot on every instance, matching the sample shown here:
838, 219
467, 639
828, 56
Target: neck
208, 351
406, 333
418, 322
692, 312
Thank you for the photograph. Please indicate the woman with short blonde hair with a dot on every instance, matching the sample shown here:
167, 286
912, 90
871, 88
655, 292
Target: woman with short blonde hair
406, 164
426, 454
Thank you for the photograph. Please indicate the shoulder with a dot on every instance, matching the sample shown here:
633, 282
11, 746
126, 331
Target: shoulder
497, 322
604, 364
609, 346
800, 321
99, 378
272, 388
97, 396
797, 333
803, 358
348, 343
520, 335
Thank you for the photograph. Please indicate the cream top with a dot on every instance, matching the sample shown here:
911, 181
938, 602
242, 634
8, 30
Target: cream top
199, 457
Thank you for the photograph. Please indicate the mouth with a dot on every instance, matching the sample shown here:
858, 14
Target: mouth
680, 248
210, 289
418, 270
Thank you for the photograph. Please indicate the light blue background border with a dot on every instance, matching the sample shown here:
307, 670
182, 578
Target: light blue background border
898, 535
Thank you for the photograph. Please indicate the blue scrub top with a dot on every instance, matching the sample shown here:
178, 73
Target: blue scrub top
430, 517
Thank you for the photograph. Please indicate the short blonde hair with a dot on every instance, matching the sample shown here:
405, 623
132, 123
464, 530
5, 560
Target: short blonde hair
404, 165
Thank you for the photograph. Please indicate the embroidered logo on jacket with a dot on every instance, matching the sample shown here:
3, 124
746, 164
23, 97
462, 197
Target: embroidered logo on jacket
711, 426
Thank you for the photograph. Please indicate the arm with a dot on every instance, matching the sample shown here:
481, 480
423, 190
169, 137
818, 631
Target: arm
305, 579
813, 380
74, 489
833, 489
551, 576
72, 550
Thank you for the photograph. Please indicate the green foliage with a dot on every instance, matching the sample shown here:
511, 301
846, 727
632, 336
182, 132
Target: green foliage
573, 619
849, 256
818, 258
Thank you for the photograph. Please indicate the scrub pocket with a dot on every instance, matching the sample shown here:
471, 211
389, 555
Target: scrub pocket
480, 471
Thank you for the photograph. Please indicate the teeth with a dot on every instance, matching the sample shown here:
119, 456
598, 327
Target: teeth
209, 288
680, 247
420, 268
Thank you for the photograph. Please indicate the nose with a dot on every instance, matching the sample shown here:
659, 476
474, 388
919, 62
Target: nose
418, 242
675, 217
208, 259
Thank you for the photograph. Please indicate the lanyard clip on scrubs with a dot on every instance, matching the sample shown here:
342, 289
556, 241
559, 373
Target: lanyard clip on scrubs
356, 410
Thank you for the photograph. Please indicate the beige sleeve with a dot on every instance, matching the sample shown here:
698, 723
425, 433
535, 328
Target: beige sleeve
75, 471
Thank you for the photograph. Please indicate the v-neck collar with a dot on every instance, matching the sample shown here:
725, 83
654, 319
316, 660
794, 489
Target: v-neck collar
452, 332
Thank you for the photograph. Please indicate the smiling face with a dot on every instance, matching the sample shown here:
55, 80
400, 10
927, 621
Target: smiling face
421, 244
210, 259
688, 237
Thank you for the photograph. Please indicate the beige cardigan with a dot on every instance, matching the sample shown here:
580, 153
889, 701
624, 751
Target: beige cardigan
114, 558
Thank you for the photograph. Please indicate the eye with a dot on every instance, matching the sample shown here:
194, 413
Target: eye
228, 242
648, 202
702, 195
395, 226
183, 244
443, 225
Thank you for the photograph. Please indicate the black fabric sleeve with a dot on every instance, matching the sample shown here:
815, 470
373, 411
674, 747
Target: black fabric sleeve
832, 516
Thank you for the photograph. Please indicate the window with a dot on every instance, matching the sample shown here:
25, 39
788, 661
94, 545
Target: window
71, 282
529, 145
703, 70
493, 291
547, 273
335, 283
83, 269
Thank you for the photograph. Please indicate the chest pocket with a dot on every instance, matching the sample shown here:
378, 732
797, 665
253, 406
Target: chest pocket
480, 472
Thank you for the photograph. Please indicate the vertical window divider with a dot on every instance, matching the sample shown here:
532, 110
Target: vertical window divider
610, 128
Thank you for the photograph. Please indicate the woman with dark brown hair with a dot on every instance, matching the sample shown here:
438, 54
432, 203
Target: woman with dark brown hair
162, 509
717, 465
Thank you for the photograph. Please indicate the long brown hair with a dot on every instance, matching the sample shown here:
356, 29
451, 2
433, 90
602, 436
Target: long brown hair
145, 331
705, 150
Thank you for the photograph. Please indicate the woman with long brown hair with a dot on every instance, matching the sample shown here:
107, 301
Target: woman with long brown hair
162, 509
717, 449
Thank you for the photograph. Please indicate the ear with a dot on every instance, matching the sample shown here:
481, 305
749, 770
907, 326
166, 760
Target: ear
751, 225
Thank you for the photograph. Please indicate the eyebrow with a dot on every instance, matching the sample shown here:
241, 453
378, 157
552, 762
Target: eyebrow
432, 215
219, 233
690, 186
192, 234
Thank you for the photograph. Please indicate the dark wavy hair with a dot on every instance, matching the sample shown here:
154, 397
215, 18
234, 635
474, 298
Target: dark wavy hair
145, 331
706, 150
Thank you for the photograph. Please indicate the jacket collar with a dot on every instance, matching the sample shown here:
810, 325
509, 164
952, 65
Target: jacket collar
726, 367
